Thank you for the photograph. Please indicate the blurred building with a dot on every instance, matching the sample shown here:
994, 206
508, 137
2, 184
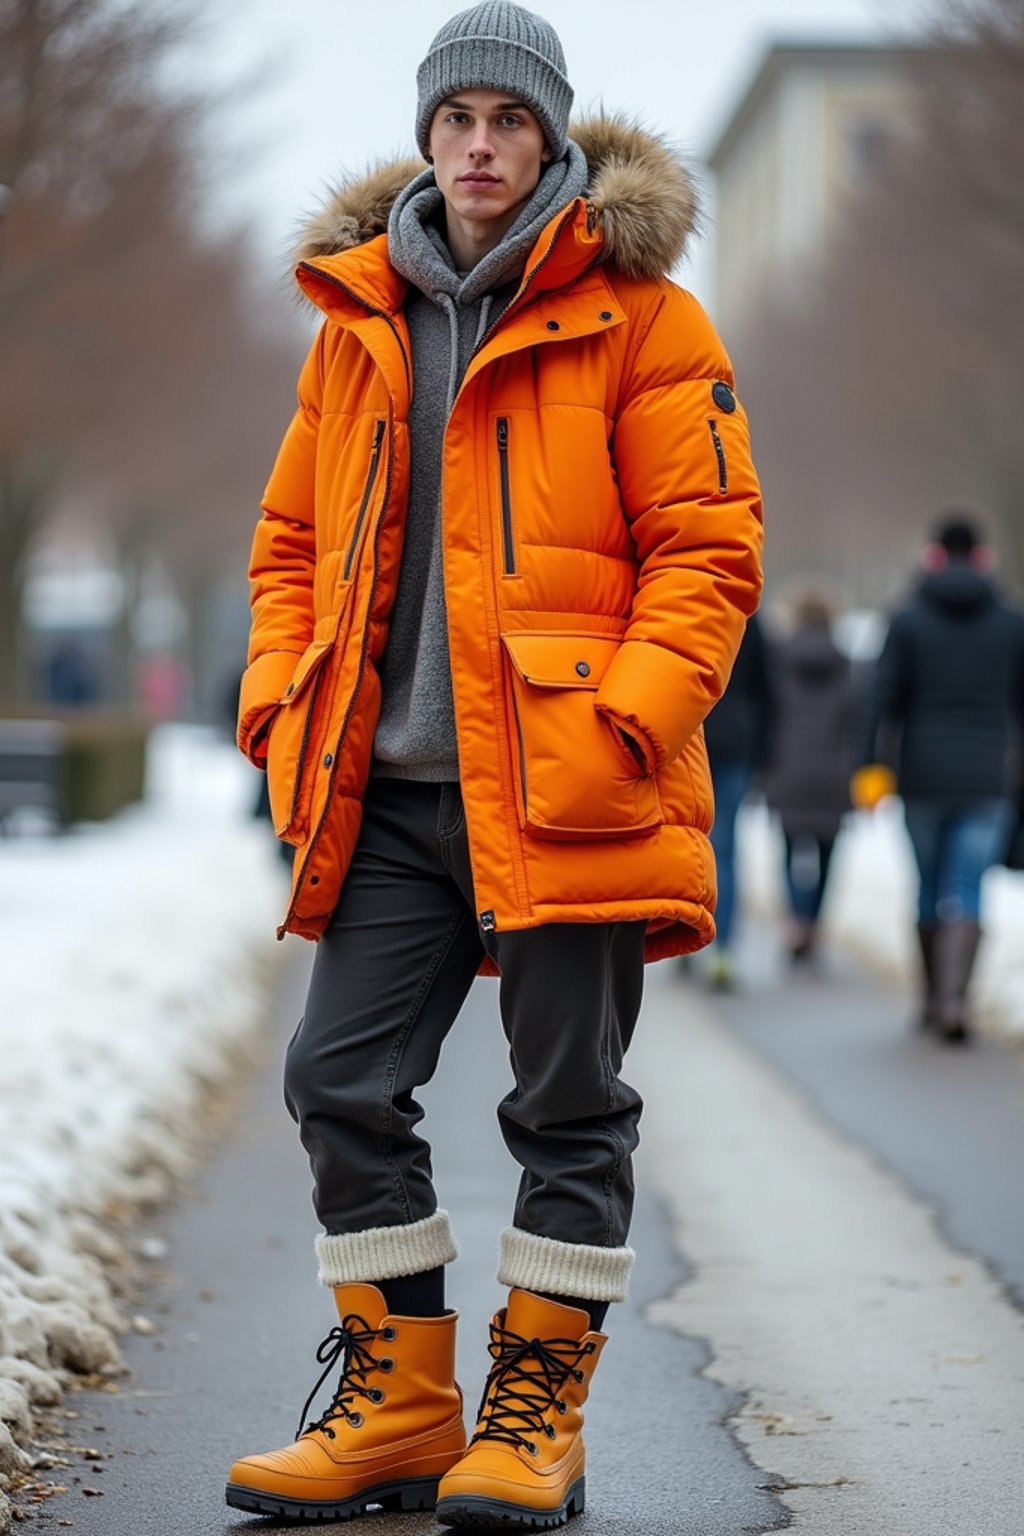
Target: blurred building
814, 121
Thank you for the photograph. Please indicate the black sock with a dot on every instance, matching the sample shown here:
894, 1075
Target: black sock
595, 1310
415, 1295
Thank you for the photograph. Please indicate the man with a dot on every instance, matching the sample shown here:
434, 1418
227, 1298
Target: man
950, 680
506, 556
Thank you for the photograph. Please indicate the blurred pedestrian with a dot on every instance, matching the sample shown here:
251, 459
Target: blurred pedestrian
483, 741
71, 679
950, 679
737, 734
808, 782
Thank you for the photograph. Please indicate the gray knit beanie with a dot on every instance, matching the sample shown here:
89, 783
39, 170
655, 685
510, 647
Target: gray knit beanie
498, 46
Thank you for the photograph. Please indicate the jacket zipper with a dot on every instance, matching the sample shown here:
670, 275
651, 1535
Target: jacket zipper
723, 475
508, 542
306, 729
487, 922
315, 838
371, 475
300, 878
567, 218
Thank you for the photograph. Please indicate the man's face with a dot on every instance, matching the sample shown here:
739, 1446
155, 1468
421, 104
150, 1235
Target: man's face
488, 151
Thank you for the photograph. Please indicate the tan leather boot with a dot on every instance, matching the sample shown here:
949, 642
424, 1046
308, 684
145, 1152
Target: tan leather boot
524, 1467
393, 1428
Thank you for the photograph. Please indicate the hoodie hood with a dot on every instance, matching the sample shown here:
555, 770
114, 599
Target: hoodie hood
419, 253
641, 192
958, 589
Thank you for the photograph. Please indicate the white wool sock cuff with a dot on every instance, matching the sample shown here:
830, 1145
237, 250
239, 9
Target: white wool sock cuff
543, 1264
384, 1253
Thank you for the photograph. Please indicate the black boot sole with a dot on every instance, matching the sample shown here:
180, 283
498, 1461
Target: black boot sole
402, 1497
499, 1515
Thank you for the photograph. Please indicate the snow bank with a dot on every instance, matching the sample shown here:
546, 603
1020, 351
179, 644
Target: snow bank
870, 907
136, 960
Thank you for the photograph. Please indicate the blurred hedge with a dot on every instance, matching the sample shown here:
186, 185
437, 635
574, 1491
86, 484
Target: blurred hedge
104, 759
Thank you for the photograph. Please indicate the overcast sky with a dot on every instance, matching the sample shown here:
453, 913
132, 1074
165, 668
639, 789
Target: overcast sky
343, 88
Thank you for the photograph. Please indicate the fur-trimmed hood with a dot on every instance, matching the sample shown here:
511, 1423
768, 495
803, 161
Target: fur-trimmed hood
641, 190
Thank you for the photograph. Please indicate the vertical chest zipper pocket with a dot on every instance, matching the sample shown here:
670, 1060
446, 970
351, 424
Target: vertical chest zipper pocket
508, 542
376, 453
723, 468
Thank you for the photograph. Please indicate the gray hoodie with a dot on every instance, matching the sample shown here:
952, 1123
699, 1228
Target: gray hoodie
448, 313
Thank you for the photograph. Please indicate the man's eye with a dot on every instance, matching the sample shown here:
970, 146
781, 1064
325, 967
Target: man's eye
510, 122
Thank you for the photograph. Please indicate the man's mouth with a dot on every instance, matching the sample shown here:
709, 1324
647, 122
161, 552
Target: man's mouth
479, 178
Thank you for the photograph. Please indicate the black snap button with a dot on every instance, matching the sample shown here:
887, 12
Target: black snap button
723, 397
605, 314
583, 668
314, 879
553, 325
328, 760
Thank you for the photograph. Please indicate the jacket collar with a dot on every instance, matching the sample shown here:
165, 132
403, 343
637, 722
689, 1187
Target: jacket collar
636, 216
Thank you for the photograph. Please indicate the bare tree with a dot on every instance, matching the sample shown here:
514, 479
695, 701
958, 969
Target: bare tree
135, 363
897, 387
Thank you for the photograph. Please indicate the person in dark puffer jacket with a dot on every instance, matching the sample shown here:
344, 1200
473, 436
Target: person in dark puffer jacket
809, 775
950, 679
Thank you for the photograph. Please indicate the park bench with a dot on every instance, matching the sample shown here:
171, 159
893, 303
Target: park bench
33, 769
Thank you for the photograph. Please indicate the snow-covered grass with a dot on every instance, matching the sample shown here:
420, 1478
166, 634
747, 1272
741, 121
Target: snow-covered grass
870, 907
136, 960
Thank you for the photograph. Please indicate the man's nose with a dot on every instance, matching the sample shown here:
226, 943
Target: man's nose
480, 146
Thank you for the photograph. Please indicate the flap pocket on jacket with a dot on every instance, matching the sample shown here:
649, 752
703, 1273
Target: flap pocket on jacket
307, 667
558, 660
289, 744
575, 779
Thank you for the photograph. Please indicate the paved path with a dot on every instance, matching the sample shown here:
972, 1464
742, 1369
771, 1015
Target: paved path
804, 1343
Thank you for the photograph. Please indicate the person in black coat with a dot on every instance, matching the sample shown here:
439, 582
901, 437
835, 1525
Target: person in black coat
738, 734
949, 687
809, 777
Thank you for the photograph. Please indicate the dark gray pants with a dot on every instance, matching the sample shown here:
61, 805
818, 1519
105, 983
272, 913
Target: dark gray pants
390, 976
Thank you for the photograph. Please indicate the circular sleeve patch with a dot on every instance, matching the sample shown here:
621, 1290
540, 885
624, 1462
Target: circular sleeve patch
723, 397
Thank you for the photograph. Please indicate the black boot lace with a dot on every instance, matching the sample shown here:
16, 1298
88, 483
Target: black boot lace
523, 1386
351, 1340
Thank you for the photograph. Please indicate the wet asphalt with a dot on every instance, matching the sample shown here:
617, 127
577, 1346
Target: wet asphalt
238, 1314
947, 1120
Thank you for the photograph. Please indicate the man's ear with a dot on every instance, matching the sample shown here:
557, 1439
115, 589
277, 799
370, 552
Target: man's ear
545, 155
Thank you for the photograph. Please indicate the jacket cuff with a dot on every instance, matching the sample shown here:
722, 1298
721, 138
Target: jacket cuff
546, 1265
657, 695
263, 683
645, 755
384, 1253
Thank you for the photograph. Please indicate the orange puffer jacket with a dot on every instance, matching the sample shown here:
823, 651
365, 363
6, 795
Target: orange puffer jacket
601, 539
